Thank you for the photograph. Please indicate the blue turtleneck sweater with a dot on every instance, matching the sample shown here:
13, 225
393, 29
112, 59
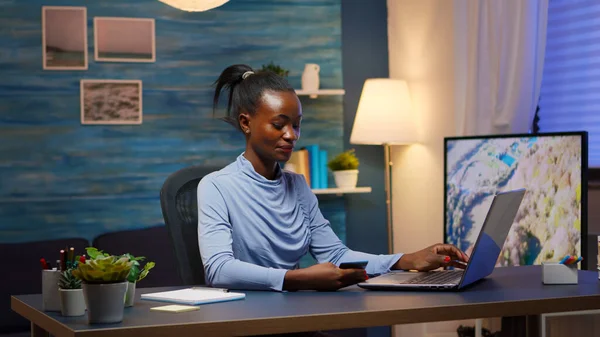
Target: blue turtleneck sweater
252, 230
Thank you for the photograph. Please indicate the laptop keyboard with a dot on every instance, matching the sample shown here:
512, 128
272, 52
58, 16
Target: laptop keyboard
445, 277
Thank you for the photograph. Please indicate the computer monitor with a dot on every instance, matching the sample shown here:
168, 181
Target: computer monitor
552, 219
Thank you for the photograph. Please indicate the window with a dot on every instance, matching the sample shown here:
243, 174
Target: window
570, 91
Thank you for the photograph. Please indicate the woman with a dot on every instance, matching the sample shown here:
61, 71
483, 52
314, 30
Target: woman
256, 221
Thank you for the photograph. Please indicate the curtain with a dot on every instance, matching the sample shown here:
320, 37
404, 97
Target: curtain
499, 54
569, 94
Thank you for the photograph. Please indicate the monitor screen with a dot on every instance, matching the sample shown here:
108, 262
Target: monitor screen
553, 214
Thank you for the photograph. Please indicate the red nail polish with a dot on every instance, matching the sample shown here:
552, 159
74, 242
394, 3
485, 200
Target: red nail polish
447, 259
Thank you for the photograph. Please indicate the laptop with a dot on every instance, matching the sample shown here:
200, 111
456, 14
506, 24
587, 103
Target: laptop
482, 261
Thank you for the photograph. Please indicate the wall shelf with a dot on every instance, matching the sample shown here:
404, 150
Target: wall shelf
320, 92
340, 191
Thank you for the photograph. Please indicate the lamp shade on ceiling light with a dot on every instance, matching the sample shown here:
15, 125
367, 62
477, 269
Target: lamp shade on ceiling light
384, 114
194, 5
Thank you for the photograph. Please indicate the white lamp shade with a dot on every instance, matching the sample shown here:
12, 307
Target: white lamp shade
194, 5
384, 114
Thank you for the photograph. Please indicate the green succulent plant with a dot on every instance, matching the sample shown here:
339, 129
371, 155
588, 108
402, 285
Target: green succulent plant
136, 274
69, 281
344, 161
93, 252
275, 68
103, 267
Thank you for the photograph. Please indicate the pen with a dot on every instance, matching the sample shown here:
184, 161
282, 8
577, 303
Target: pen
579, 259
564, 259
58, 264
70, 261
63, 262
43, 263
573, 260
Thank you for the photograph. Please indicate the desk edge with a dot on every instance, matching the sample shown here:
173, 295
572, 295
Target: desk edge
38, 318
362, 319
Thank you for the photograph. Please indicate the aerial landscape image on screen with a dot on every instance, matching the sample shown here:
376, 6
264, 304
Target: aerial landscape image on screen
548, 224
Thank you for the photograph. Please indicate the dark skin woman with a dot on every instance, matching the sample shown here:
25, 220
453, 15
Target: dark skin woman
269, 114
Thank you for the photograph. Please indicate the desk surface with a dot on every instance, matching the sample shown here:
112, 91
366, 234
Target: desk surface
507, 292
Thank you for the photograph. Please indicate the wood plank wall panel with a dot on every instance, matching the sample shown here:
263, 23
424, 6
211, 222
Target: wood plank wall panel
61, 179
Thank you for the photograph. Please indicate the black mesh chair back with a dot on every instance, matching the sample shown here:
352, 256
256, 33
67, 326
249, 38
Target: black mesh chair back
178, 200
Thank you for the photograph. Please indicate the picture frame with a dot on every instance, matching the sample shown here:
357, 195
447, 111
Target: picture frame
112, 102
64, 38
120, 39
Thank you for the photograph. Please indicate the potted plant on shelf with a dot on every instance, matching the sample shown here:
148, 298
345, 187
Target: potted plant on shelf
275, 68
104, 283
72, 302
135, 275
345, 169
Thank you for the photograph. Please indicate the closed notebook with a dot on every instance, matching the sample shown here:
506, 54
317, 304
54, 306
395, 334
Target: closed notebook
194, 296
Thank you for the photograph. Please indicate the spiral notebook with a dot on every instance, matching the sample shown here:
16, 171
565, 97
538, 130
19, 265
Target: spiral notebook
194, 296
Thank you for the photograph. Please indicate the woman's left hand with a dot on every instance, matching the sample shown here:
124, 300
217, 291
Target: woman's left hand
433, 257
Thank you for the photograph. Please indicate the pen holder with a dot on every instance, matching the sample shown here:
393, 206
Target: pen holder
557, 273
50, 293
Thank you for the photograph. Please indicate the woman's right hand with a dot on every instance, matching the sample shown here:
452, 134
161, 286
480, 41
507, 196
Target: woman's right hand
322, 277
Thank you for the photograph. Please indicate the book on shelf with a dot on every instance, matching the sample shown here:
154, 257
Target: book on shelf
323, 182
310, 161
298, 163
313, 162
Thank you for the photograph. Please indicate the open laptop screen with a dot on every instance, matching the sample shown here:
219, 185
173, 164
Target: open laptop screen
493, 233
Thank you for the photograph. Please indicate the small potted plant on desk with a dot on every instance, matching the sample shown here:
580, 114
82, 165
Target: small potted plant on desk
135, 275
104, 283
72, 302
345, 169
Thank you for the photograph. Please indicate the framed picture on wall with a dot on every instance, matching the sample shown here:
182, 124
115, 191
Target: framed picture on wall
124, 39
64, 38
111, 101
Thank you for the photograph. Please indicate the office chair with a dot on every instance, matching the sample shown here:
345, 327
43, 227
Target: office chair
178, 201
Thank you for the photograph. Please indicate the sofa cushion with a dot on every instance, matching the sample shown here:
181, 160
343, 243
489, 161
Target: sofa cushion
22, 261
153, 243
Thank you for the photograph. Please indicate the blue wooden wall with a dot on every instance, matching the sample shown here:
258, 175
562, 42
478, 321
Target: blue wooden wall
61, 179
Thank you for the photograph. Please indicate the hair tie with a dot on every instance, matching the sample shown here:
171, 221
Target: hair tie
246, 74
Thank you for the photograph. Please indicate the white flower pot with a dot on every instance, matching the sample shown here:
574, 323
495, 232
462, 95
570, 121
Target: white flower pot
130, 294
345, 178
105, 302
72, 302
